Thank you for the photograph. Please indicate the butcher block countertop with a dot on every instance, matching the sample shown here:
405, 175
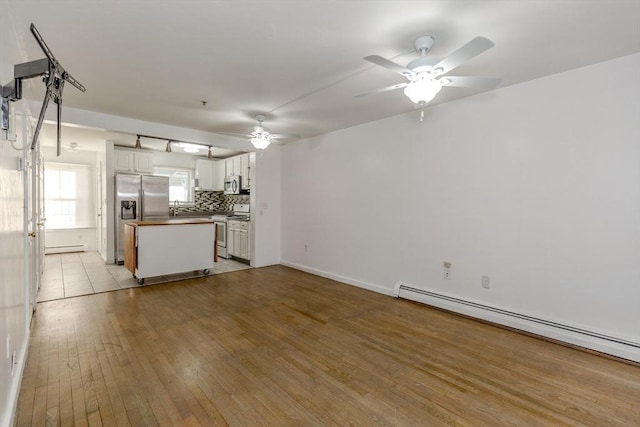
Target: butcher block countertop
177, 221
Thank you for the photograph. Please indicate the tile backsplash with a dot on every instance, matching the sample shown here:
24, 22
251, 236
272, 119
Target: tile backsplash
207, 201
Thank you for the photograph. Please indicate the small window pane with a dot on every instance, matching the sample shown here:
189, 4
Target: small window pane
180, 187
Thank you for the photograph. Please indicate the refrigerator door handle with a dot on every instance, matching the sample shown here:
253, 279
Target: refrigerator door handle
141, 209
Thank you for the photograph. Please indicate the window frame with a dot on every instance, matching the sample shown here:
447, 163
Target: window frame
188, 187
81, 199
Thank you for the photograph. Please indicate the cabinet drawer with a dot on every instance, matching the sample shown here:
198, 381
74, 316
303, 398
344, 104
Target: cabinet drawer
242, 225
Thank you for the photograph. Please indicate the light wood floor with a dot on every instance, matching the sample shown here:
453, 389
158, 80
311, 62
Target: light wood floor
275, 347
85, 273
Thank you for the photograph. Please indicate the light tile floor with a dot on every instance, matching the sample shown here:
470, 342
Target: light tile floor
84, 273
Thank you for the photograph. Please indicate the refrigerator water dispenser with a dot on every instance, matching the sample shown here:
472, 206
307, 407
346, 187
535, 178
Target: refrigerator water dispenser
127, 209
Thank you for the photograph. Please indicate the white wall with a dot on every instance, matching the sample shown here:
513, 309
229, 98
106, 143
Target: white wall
14, 313
265, 205
536, 185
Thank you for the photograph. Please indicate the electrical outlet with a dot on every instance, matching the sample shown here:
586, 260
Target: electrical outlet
485, 282
447, 270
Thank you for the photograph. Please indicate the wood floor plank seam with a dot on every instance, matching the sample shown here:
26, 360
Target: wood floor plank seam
277, 346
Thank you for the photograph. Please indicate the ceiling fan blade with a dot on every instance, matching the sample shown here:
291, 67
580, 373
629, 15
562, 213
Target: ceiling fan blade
384, 89
389, 65
482, 82
243, 135
286, 136
474, 48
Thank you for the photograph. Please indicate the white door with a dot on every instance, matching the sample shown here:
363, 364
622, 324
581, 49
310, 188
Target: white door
99, 212
34, 217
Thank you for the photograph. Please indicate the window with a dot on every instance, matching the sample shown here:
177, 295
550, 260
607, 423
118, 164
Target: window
69, 200
180, 179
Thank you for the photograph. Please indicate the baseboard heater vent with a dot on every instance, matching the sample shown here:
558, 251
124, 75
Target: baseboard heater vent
407, 292
64, 249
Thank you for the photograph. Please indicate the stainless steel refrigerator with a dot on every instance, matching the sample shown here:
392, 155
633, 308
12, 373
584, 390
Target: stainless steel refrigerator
138, 198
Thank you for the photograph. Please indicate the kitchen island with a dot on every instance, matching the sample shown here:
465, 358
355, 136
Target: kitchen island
159, 247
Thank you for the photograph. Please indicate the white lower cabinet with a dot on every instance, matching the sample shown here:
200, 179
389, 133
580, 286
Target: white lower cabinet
238, 241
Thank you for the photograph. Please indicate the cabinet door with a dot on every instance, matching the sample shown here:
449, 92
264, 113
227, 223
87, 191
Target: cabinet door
143, 162
228, 165
204, 174
230, 246
244, 244
123, 160
246, 178
237, 165
218, 175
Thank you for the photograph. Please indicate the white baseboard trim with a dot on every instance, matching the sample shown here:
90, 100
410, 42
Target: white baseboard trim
583, 338
570, 334
338, 278
65, 249
16, 381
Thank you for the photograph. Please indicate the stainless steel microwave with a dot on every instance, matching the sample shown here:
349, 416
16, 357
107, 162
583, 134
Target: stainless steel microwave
232, 184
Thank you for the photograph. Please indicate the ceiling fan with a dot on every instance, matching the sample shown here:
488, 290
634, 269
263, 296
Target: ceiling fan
261, 137
72, 147
427, 75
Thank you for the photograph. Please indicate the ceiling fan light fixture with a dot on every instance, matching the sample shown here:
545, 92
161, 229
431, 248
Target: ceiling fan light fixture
210, 154
422, 90
261, 141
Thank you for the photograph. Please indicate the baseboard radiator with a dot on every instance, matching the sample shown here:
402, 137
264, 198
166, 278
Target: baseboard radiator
571, 334
64, 249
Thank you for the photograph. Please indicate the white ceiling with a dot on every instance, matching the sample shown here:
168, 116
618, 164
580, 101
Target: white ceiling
300, 62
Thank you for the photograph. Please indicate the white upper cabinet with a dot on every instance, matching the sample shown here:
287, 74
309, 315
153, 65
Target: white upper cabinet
208, 173
245, 183
143, 162
239, 165
219, 175
133, 161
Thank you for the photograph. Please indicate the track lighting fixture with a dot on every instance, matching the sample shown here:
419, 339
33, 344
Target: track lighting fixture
183, 147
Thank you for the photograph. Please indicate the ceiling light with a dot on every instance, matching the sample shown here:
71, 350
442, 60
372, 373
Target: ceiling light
138, 145
422, 90
261, 141
189, 148
210, 154
168, 149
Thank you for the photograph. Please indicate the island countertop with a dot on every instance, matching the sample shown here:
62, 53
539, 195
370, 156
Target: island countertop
171, 221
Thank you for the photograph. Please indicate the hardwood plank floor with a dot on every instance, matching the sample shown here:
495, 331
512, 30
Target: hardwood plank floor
275, 346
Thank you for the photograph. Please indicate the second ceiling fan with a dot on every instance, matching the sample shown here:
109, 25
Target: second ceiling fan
427, 75
261, 137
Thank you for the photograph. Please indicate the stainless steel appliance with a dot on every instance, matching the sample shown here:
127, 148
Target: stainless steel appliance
241, 211
138, 197
232, 184
221, 224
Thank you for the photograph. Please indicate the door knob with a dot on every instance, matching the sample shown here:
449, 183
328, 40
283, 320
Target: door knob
32, 234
